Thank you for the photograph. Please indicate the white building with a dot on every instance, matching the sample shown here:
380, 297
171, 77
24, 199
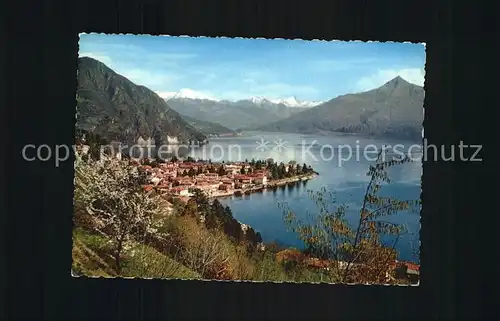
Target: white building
260, 180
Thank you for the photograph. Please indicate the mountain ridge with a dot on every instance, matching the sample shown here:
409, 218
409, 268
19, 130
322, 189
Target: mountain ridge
208, 128
112, 106
186, 93
241, 114
394, 109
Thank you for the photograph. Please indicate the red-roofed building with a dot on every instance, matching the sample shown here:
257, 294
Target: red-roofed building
412, 266
165, 186
188, 166
259, 179
232, 168
186, 181
243, 178
170, 174
246, 180
224, 187
228, 183
407, 270
212, 175
180, 190
168, 165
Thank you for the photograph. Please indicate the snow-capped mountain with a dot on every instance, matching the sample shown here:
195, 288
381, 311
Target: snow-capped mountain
257, 100
289, 102
244, 113
294, 102
185, 93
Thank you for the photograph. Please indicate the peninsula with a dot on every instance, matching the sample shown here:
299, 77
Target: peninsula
180, 178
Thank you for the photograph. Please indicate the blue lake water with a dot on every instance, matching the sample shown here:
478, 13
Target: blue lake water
340, 173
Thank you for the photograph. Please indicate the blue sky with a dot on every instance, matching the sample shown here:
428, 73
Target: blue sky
237, 68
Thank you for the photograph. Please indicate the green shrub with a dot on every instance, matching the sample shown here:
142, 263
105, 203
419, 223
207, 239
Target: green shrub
146, 262
268, 269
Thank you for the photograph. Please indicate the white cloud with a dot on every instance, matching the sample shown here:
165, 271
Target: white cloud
186, 93
102, 58
413, 75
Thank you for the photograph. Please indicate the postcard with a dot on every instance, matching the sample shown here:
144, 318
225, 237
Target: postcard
260, 160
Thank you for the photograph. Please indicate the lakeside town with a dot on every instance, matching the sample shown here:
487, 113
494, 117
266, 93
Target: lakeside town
179, 178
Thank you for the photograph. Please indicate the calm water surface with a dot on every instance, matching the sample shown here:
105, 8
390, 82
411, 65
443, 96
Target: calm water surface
347, 179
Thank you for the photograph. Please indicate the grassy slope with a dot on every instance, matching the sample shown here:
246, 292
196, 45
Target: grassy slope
91, 258
86, 257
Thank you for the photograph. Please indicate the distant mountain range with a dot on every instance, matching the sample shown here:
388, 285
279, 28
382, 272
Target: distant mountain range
241, 114
114, 108
191, 94
394, 109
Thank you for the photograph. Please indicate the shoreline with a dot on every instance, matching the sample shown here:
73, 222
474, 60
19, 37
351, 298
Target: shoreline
269, 186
